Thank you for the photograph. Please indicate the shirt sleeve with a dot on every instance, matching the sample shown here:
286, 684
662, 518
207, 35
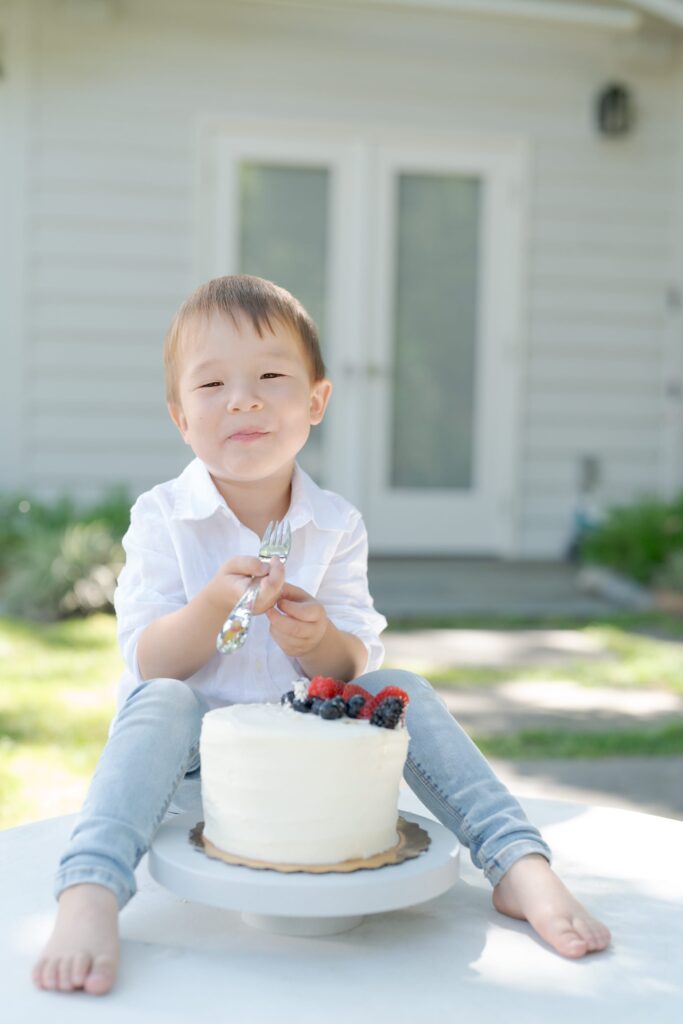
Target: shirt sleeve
345, 595
150, 583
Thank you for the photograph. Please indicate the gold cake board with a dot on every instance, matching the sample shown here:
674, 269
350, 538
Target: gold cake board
412, 841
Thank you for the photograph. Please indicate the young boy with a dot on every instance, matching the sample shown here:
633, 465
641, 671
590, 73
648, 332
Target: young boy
245, 383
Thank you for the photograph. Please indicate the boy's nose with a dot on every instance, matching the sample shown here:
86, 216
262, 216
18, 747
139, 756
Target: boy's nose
241, 401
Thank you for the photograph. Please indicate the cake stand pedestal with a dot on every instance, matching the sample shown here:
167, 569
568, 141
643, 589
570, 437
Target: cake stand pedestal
303, 904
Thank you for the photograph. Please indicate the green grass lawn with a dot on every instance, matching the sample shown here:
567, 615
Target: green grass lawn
58, 681
646, 651
57, 696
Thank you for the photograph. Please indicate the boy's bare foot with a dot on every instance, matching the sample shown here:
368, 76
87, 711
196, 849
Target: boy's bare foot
531, 891
83, 950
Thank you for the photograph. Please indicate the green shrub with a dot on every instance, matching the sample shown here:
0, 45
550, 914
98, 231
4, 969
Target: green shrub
59, 559
670, 577
63, 572
637, 540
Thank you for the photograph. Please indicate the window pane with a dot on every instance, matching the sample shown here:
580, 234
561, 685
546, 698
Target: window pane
283, 237
435, 331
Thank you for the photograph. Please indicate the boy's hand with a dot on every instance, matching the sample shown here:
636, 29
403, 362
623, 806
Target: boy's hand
300, 624
232, 579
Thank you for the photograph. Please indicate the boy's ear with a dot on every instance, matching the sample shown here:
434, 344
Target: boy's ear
320, 396
178, 417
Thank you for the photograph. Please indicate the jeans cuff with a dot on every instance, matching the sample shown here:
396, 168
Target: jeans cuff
511, 854
92, 875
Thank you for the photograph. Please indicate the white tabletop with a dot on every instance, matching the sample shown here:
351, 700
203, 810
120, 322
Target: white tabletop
451, 959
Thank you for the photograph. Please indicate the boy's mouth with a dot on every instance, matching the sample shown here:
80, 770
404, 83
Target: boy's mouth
247, 435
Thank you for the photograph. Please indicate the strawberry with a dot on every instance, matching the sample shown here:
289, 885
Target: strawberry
352, 690
325, 687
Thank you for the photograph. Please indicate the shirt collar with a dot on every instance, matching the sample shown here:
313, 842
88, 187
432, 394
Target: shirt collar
197, 497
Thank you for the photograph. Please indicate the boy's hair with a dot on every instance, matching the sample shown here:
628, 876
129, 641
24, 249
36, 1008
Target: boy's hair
254, 297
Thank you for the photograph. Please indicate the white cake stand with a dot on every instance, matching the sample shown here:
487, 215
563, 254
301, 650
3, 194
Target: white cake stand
302, 904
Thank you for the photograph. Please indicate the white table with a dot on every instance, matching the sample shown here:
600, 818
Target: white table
451, 959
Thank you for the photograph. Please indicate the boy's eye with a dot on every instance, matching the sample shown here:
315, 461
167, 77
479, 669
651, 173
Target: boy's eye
213, 384
269, 375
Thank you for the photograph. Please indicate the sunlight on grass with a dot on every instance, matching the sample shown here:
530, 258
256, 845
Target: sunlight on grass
58, 680
57, 697
636, 660
532, 744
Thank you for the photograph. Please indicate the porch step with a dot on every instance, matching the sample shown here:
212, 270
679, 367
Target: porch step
410, 587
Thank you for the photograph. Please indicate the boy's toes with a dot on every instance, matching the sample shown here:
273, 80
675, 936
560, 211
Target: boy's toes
37, 972
50, 974
65, 970
599, 937
101, 977
575, 936
81, 966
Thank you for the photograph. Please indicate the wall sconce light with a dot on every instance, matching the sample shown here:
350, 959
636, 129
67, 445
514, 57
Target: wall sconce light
614, 110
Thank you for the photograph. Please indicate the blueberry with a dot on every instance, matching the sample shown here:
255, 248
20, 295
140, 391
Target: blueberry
316, 705
354, 705
287, 698
330, 709
304, 706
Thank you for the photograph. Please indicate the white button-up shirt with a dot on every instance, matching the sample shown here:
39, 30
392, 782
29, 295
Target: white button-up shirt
182, 531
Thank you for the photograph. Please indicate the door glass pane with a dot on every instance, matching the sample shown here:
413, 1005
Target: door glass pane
435, 331
283, 237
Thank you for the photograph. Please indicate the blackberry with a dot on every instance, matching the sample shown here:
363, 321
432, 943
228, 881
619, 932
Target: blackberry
287, 698
354, 705
330, 709
304, 706
388, 713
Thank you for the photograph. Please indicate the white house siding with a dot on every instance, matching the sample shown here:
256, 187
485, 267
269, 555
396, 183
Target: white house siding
113, 109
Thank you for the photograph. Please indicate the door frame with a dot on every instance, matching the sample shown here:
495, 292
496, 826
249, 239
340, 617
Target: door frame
503, 168
357, 308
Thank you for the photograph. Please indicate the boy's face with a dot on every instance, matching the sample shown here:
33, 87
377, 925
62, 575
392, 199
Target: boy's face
247, 403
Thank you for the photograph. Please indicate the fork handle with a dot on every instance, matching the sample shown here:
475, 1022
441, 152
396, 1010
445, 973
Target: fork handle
234, 630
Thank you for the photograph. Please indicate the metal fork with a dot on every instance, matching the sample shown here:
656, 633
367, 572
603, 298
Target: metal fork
276, 542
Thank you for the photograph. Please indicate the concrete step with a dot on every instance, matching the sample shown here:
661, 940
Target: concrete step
409, 587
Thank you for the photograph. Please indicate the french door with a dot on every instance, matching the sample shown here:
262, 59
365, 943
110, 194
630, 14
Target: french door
408, 257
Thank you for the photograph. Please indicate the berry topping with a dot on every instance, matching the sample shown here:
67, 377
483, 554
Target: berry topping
302, 705
287, 698
325, 687
368, 708
388, 713
388, 693
354, 704
394, 691
331, 709
353, 690
300, 689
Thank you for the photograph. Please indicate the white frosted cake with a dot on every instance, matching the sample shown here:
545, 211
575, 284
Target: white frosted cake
293, 788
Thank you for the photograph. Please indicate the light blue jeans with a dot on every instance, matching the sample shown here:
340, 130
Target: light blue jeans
154, 744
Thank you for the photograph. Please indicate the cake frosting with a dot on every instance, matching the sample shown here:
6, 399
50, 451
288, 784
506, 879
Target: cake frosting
292, 788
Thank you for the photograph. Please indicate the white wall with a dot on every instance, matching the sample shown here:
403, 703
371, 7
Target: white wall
113, 109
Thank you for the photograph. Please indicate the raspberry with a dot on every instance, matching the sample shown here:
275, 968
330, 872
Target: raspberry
394, 691
352, 690
325, 687
369, 707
